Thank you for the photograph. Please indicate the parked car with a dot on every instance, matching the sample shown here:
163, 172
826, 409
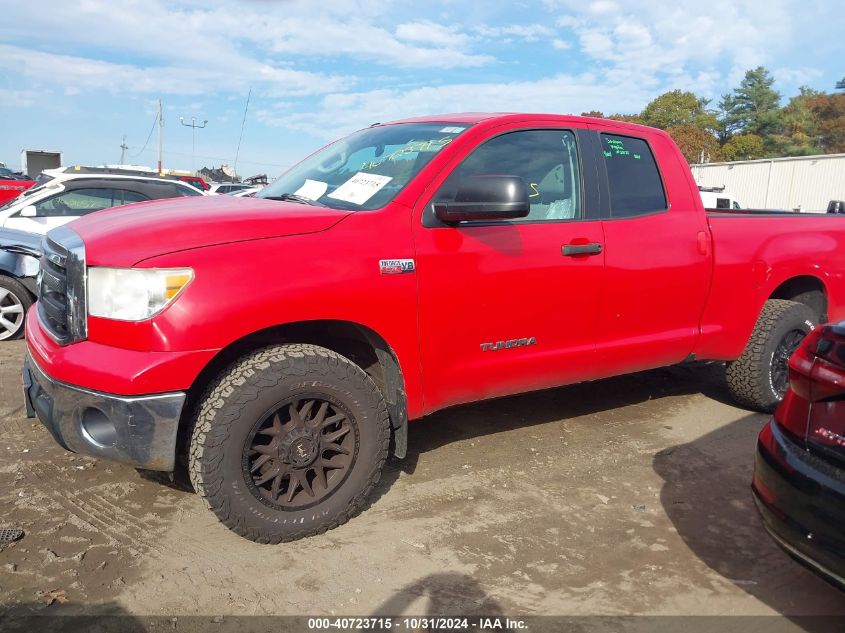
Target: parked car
799, 477
12, 184
227, 187
409, 267
716, 198
19, 255
194, 181
71, 195
248, 192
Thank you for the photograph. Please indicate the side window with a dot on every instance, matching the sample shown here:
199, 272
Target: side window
723, 203
124, 196
547, 160
75, 203
633, 178
182, 190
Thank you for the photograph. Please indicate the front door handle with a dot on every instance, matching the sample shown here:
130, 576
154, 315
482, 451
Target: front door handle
571, 250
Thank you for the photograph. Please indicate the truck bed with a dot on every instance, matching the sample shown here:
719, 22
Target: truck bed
754, 253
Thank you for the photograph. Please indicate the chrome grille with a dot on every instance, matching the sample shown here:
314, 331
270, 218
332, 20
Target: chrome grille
61, 286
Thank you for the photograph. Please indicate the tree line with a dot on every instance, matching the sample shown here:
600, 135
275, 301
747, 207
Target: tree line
749, 122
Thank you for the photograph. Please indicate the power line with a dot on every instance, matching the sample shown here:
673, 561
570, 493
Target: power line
148, 138
223, 159
240, 138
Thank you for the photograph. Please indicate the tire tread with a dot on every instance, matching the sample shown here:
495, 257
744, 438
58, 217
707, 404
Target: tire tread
240, 384
745, 375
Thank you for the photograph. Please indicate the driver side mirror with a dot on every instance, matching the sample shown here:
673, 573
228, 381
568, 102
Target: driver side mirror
486, 197
29, 211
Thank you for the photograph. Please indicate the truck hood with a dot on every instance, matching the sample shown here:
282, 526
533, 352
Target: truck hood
123, 236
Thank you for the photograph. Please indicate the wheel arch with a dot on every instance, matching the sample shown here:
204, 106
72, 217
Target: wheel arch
806, 289
362, 345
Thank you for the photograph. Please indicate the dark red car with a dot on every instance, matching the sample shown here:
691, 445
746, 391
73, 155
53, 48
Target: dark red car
799, 478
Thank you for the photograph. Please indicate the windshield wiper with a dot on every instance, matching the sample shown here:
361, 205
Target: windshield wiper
292, 197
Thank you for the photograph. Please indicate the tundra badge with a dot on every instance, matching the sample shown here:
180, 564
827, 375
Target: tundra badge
514, 342
395, 266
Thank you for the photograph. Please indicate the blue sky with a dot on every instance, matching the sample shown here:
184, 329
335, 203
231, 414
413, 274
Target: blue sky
78, 76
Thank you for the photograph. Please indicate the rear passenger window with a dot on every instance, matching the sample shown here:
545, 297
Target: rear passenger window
633, 178
124, 196
186, 191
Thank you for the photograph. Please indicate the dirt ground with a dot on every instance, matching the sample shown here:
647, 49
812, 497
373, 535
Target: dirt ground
625, 496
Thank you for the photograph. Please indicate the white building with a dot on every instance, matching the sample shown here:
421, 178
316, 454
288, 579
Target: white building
808, 182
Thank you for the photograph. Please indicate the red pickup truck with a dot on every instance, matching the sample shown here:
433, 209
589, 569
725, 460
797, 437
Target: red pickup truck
282, 342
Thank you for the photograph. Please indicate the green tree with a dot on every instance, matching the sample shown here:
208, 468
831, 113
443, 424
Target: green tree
743, 147
752, 108
679, 108
799, 126
596, 114
829, 113
696, 143
628, 118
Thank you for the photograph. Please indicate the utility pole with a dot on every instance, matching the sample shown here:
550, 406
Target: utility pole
193, 125
160, 137
123, 148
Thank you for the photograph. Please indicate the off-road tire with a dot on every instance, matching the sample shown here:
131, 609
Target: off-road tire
750, 377
234, 403
25, 298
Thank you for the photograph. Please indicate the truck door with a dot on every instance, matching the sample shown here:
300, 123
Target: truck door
657, 255
511, 306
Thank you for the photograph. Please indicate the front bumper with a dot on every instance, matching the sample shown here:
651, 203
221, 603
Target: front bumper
801, 499
136, 430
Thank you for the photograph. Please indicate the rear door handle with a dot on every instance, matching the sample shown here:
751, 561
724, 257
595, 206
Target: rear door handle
571, 250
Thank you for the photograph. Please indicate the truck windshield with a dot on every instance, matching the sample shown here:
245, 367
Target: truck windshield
366, 169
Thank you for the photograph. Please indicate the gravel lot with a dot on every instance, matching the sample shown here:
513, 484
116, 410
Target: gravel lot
625, 496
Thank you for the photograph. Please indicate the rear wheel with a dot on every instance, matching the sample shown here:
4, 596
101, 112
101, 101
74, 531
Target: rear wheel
289, 443
759, 378
15, 300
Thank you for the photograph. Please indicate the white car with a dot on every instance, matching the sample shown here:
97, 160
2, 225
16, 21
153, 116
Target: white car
68, 196
248, 192
227, 187
716, 198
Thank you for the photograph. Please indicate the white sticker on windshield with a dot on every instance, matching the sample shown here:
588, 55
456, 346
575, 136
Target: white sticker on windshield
312, 189
452, 130
360, 188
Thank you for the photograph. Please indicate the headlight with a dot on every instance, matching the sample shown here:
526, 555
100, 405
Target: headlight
133, 294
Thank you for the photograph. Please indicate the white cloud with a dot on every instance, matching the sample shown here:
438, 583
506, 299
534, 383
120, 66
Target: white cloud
193, 47
800, 76
527, 32
431, 33
17, 98
76, 74
339, 114
662, 44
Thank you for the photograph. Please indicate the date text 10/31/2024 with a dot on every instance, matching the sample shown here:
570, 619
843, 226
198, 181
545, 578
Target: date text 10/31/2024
417, 623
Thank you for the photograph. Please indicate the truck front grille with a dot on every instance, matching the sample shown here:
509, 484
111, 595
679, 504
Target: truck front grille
61, 286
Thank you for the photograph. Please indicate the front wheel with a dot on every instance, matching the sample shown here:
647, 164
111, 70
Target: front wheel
288, 443
759, 378
14, 302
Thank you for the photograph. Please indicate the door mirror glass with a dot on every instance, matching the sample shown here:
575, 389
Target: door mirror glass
29, 211
486, 197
